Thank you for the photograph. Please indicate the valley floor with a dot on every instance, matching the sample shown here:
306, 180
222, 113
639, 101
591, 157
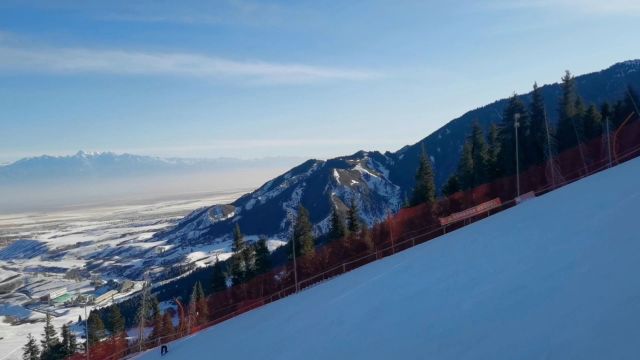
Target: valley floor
553, 278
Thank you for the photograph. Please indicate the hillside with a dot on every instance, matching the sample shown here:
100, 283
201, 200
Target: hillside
552, 278
377, 182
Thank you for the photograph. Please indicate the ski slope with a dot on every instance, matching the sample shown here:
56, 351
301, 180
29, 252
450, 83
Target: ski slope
553, 278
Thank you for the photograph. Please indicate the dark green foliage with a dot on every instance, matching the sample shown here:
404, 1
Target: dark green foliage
451, 187
68, 341
338, 227
354, 222
424, 191
55, 352
239, 243
30, 350
303, 233
219, 281
49, 335
592, 123
515, 110
263, 257
493, 171
536, 132
570, 111
116, 321
96, 328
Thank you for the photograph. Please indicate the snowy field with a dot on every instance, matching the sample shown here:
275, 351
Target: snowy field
40, 250
553, 278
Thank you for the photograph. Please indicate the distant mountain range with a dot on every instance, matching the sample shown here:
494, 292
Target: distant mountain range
87, 165
378, 182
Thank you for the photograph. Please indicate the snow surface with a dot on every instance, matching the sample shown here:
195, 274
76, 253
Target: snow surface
553, 278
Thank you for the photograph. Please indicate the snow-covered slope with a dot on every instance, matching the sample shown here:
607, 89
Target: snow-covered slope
318, 185
553, 278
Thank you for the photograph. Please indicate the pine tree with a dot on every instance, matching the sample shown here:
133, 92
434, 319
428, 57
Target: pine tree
201, 304
592, 123
219, 278
239, 243
465, 166
238, 265
536, 139
479, 155
116, 321
338, 228
354, 222
263, 256
515, 110
249, 259
96, 328
30, 350
68, 342
567, 133
493, 170
424, 191
193, 304
49, 336
303, 234
452, 186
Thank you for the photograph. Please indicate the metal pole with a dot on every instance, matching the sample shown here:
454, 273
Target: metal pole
86, 331
515, 127
295, 265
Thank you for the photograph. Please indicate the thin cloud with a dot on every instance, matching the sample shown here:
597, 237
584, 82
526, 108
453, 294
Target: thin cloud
122, 62
598, 7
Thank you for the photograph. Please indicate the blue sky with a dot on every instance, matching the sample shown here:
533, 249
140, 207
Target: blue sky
248, 78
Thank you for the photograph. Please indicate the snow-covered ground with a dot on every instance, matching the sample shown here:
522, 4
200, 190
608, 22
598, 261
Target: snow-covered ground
553, 278
106, 242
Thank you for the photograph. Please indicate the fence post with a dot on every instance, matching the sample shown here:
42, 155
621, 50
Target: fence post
344, 268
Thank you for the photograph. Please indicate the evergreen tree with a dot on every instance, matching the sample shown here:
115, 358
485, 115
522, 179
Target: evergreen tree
30, 350
536, 139
425, 189
237, 269
338, 227
193, 304
116, 321
465, 166
68, 342
249, 259
567, 133
479, 154
96, 328
303, 234
452, 186
239, 243
49, 335
592, 123
238, 264
354, 222
219, 277
515, 111
263, 256
493, 171
201, 304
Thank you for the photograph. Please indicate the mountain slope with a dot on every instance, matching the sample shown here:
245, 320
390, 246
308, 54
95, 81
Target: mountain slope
551, 278
98, 165
378, 182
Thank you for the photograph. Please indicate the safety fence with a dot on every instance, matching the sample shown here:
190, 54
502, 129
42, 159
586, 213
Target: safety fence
408, 228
